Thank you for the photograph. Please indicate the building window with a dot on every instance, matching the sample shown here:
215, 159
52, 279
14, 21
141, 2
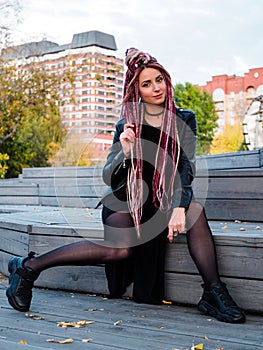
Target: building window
218, 94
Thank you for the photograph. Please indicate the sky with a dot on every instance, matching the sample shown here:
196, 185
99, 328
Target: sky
193, 39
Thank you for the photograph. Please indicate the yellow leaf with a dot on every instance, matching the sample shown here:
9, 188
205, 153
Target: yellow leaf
198, 347
66, 341
225, 227
166, 302
22, 342
117, 322
86, 340
78, 324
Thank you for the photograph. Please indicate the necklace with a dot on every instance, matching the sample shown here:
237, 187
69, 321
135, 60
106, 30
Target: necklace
154, 114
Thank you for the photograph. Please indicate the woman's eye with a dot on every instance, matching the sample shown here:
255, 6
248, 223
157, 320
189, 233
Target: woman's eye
145, 84
159, 79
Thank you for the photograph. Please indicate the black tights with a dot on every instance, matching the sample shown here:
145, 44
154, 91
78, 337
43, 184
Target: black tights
199, 239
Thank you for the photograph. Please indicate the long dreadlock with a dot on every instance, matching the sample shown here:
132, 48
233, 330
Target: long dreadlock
132, 112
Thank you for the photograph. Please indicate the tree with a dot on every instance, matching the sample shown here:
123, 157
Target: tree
230, 140
190, 97
29, 114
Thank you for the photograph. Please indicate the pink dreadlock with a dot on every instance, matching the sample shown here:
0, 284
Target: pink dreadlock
132, 112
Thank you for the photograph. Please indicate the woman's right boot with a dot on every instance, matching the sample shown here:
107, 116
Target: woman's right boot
21, 281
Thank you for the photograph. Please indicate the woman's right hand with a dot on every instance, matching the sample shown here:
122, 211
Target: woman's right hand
127, 138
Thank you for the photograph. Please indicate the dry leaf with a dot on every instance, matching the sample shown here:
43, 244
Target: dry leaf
238, 221
22, 342
66, 341
86, 340
258, 227
117, 322
242, 229
78, 324
166, 302
34, 317
225, 227
198, 347
206, 337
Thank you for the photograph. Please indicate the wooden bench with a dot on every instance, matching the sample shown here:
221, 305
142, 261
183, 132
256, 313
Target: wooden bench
40, 229
66, 196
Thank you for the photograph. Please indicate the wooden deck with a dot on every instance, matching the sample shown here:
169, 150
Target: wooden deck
118, 324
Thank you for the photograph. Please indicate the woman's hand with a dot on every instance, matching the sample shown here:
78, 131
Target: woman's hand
127, 139
176, 223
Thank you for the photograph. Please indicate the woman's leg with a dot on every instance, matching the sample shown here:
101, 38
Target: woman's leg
201, 244
24, 271
216, 300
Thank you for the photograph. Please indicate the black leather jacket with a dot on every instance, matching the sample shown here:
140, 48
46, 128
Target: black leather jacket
116, 168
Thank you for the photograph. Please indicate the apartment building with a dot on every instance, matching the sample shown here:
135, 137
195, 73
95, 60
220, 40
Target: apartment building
92, 106
233, 94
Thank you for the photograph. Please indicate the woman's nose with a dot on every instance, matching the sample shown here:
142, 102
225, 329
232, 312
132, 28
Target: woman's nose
156, 87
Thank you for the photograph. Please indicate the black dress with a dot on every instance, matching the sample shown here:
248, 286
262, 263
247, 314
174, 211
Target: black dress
145, 266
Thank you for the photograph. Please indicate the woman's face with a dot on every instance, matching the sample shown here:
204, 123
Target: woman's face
152, 86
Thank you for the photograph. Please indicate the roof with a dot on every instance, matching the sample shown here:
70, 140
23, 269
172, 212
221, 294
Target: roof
79, 40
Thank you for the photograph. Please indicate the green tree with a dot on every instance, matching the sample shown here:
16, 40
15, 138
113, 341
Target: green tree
29, 115
190, 97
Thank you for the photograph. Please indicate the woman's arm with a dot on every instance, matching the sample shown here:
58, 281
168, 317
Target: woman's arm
116, 168
183, 192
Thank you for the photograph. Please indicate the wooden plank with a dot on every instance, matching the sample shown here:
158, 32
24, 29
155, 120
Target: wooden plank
53, 172
88, 279
230, 188
21, 200
43, 244
69, 202
185, 289
231, 160
71, 190
14, 242
220, 209
237, 261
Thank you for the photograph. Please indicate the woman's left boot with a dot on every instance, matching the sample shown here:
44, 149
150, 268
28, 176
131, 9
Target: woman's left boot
218, 303
21, 281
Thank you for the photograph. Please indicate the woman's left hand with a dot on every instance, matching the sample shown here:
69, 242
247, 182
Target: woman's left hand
176, 223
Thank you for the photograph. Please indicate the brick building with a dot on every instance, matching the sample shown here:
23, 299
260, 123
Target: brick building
233, 94
97, 87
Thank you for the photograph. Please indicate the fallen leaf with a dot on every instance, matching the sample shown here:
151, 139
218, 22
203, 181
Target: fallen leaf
258, 227
78, 324
237, 221
34, 317
225, 227
242, 229
198, 347
205, 337
86, 340
66, 341
117, 322
166, 302
142, 316
22, 342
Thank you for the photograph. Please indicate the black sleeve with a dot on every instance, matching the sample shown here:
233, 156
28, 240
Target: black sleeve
183, 192
116, 168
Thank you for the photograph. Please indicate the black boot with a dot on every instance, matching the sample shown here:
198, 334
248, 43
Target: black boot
218, 303
21, 281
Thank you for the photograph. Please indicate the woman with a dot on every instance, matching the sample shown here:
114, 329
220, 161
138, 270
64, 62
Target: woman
149, 171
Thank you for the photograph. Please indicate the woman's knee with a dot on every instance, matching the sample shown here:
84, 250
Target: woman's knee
120, 253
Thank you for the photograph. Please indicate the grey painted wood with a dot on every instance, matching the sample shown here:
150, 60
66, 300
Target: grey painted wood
240, 253
142, 326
